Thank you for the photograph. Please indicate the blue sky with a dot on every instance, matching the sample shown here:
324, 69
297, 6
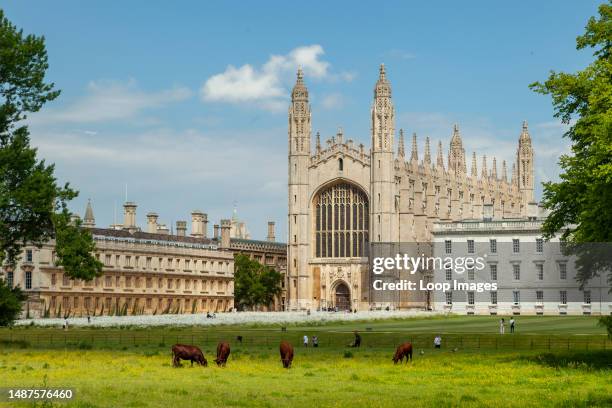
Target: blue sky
186, 102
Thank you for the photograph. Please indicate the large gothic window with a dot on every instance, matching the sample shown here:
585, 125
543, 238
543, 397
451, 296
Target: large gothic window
341, 222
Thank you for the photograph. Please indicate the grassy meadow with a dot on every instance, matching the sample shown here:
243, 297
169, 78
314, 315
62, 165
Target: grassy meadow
137, 371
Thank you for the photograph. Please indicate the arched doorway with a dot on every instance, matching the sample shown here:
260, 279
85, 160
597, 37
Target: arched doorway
342, 297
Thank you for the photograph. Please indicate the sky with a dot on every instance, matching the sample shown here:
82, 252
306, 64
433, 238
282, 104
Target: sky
185, 103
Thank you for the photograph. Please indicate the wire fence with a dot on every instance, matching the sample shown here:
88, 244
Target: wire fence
463, 341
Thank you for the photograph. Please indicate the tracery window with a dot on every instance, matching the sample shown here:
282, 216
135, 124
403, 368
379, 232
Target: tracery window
341, 222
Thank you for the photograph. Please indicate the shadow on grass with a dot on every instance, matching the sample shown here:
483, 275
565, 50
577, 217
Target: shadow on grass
594, 360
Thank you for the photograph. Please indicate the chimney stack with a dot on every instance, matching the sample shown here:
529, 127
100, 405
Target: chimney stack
181, 228
226, 225
270, 236
129, 215
197, 224
216, 231
152, 222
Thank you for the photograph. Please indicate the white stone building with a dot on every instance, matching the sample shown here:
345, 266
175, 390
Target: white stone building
532, 276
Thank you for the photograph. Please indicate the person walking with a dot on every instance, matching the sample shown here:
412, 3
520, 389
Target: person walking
315, 341
502, 326
438, 341
512, 325
305, 341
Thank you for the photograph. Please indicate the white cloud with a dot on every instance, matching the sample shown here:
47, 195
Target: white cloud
268, 85
111, 101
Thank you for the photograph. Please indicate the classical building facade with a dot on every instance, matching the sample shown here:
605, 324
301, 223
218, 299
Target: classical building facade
145, 272
343, 198
531, 276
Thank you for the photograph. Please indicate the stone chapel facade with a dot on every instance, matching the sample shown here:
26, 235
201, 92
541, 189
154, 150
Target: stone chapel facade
344, 197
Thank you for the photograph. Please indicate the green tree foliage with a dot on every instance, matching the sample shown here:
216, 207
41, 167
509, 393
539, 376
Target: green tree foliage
33, 207
11, 303
581, 202
254, 284
606, 321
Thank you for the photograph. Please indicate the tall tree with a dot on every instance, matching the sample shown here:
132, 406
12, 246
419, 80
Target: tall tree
254, 284
580, 203
33, 207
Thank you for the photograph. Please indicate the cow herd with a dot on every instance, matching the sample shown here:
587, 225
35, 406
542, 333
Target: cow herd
194, 354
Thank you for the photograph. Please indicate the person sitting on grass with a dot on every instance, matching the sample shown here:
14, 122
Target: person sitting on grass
437, 341
357, 342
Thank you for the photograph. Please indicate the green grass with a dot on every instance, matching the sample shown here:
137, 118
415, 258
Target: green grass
551, 361
323, 377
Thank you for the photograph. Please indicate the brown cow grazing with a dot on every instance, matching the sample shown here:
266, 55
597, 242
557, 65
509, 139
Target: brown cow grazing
223, 351
403, 350
286, 353
187, 352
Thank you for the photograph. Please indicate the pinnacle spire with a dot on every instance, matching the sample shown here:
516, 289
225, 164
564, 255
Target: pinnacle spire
440, 160
88, 219
474, 166
400, 144
484, 171
383, 87
382, 73
415, 153
300, 92
494, 169
318, 147
427, 151
504, 172
525, 133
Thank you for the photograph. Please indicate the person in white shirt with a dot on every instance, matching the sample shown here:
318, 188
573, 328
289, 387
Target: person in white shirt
502, 326
305, 341
437, 341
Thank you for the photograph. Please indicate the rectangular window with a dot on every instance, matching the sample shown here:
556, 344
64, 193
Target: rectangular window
539, 296
449, 274
10, 279
563, 297
149, 283
470, 273
148, 263
108, 281
28, 280
29, 255
470, 298
493, 272
539, 245
65, 280
516, 297
516, 271
587, 297
563, 271
107, 260
128, 261
448, 246
516, 246
493, 246
128, 282
449, 298
540, 271
149, 302
117, 260
470, 246
169, 283
53, 278
493, 298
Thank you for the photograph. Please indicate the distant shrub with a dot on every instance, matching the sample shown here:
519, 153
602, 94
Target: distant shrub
348, 354
22, 344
